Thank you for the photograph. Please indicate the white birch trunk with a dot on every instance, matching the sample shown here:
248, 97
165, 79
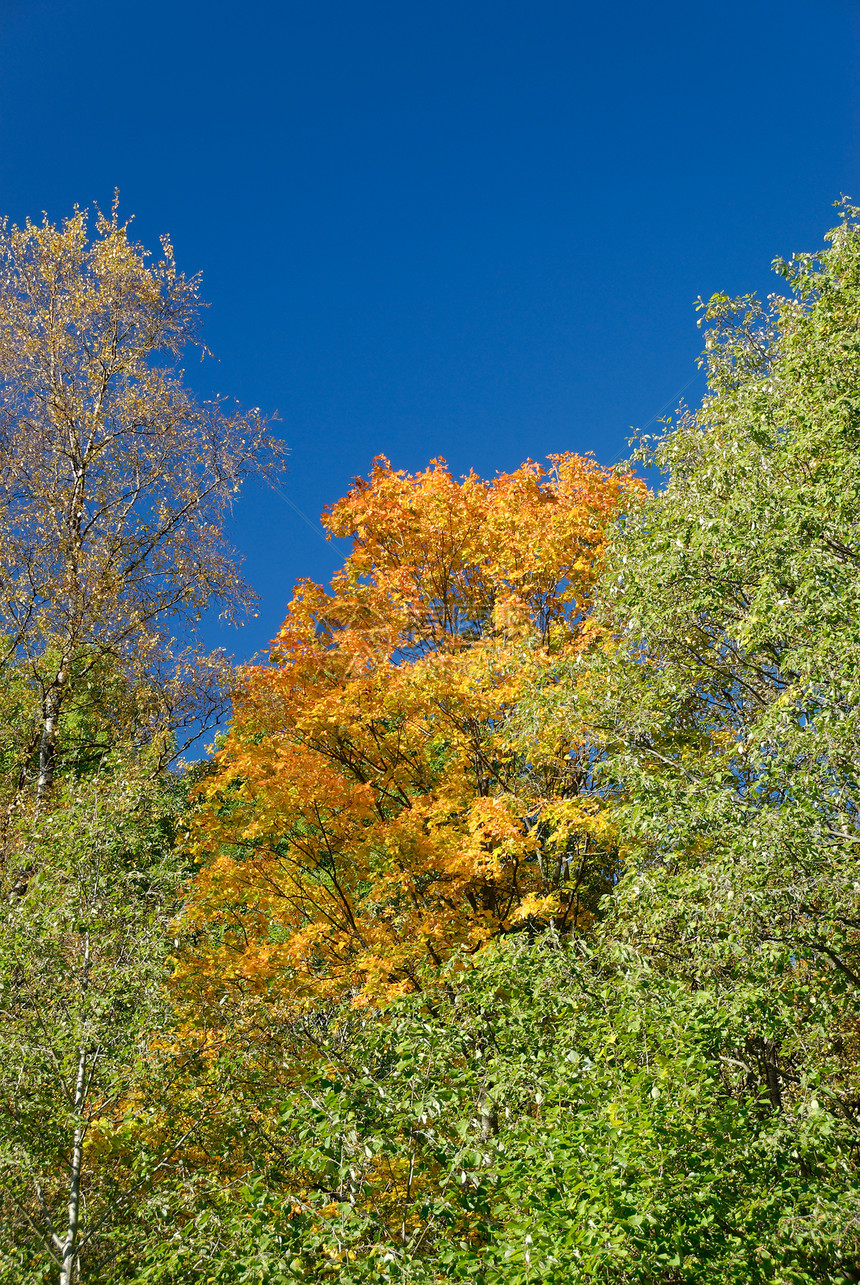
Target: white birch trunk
50, 721
70, 1243
68, 1267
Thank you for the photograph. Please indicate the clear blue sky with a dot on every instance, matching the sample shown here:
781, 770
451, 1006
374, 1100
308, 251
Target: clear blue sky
463, 229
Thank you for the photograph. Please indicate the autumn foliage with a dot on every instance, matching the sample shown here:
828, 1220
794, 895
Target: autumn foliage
513, 933
376, 805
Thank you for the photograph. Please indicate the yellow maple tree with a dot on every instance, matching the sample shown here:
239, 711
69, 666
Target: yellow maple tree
375, 806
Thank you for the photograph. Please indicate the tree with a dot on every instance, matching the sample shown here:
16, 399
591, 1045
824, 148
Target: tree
114, 479
84, 957
729, 711
114, 483
371, 808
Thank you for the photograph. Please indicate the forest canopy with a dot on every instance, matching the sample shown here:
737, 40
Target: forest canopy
512, 931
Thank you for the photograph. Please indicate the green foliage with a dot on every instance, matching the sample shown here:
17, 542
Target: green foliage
730, 712
551, 1115
83, 959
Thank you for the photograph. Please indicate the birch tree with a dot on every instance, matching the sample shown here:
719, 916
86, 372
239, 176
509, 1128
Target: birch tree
114, 477
84, 952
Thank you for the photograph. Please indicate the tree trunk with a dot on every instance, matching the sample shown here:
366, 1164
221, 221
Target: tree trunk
70, 1244
50, 721
68, 1269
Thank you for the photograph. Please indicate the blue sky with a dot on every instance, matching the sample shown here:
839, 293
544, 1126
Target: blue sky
473, 230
